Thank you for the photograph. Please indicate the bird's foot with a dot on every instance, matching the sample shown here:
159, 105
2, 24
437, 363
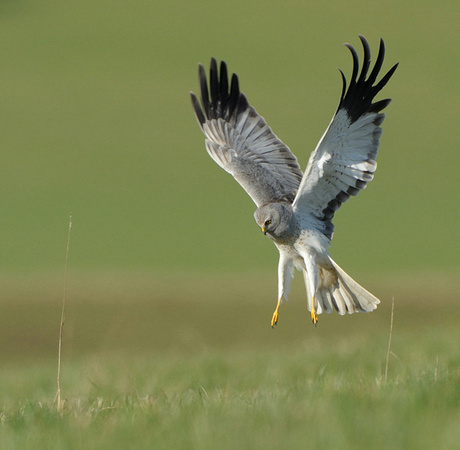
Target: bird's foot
275, 314
314, 316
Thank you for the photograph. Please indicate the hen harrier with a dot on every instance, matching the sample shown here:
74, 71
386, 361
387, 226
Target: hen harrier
295, 210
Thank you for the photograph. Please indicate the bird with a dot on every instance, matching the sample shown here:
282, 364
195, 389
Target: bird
294, 208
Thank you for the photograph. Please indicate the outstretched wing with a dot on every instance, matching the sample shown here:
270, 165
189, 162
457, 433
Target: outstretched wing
241, 142
344, 160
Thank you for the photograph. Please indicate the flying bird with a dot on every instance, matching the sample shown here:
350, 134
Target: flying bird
295, 209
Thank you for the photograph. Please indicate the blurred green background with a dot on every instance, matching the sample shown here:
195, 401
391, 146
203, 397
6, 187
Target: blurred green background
96, 120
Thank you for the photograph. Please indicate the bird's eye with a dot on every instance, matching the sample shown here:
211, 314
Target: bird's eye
268, 222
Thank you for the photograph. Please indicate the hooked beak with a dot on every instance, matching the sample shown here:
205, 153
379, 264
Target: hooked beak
264, 231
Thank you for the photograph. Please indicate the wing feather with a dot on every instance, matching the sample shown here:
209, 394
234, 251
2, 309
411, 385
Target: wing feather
344, 160
240, 141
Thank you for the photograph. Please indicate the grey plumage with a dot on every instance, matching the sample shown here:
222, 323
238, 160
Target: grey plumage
294, 209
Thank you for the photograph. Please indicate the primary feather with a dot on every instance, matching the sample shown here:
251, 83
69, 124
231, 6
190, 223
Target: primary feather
344, 160
241, 142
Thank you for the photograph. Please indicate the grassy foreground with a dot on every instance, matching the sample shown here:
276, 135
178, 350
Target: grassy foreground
245, 400
190, 369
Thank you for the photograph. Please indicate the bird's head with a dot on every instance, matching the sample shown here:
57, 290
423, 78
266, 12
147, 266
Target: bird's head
274, 219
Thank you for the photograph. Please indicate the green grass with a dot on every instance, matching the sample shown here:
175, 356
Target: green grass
153, 363
248, 400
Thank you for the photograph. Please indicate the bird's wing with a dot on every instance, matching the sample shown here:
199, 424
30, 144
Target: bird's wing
344, 160
240, 141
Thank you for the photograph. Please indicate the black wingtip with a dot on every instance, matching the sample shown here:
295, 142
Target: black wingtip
357, 98
197, 109
203, 86
219, 99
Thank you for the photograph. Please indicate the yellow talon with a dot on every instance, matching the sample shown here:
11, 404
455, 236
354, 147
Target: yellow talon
275, 314
314, 316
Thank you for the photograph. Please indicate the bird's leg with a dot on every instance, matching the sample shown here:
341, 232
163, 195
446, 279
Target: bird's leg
285, 272
310, 275
275, 314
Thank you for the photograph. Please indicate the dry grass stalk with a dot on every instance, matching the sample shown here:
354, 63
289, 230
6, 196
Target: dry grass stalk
389, 340
60, 403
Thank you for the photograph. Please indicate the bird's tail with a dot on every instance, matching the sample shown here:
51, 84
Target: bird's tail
340, 292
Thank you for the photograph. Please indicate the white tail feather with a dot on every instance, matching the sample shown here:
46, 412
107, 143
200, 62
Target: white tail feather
345, 296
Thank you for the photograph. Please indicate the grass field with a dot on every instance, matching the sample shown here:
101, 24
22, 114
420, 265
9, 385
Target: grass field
171, 286
150, 366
